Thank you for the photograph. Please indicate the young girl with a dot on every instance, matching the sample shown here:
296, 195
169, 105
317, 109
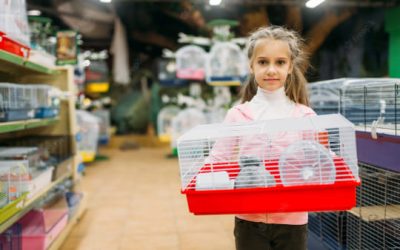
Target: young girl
276, 89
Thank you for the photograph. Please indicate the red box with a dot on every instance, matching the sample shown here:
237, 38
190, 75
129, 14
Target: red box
340, 195
14, 47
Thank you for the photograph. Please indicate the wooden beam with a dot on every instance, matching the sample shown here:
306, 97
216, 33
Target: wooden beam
294, 19
253, 19
154, 39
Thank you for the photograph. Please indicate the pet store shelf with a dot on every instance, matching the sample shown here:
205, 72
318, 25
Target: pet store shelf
29, 204
71, 223
376, 213
6, 127
16, 65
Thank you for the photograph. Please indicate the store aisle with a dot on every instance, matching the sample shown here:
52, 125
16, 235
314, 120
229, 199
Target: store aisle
135, 203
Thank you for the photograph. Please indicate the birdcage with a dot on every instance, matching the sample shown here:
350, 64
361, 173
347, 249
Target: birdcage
286, 165
89, 135
373, 106
164, 122
184, 121
15, 102
226, 65
46, 100
190, 62
375, 222
104, 126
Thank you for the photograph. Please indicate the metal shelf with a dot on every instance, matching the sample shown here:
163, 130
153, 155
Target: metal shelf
6, 127
16, 65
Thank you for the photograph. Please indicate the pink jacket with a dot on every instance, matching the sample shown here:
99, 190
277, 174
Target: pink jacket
242, 113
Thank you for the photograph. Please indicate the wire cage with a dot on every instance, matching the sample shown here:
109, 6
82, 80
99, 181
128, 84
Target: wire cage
270, 166
89, 135
190, 62
226, 65
53, 150
14, 20
104, 125
11, 238
31, 154
46, 100
372, 103
325, 95
164, 122
375, 222
329, 228
12, 173
15, 102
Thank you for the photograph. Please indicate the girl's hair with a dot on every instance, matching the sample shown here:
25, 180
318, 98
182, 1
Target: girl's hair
295, 85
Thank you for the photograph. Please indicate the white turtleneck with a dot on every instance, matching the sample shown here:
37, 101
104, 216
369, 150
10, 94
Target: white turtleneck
267, 105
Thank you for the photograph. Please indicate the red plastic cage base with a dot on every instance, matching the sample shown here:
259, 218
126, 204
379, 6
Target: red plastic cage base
14, 47
269, 200
338, 196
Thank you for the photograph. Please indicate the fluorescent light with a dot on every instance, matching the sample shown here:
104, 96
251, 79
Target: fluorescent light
215, 2
34, 12
105, 1
313, 3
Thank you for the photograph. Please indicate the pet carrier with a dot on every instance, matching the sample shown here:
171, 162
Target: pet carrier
270, 166
190, 62
104, 126
15, 102
226, 65
164, 122
89, 135
373, 105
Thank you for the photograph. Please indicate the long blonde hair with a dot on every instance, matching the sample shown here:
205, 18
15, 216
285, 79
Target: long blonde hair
295, 85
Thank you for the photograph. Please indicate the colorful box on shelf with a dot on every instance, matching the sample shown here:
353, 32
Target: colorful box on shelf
97, 87
14, 47
41, 227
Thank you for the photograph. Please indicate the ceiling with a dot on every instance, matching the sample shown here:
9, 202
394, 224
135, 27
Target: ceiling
152, 25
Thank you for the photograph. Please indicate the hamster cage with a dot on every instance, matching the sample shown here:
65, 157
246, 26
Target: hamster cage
270, 166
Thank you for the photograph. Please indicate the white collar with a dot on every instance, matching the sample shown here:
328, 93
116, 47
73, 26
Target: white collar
270, 96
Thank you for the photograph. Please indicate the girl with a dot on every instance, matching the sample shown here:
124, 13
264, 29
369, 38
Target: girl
276, 89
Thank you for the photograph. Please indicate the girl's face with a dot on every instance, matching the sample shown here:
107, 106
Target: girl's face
271, 63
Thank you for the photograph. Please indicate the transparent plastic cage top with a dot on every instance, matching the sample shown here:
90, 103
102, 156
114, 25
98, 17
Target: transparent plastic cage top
190, 62
372, 103
297, 164
226, 63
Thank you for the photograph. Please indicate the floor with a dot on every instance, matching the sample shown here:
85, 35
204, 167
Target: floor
135, 203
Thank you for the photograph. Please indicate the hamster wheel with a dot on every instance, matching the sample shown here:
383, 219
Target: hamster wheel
306, 162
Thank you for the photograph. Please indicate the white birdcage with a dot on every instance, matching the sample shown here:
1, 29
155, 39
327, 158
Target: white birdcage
226, 65
372, 104
46, 100
104, 127
89, 135
190, 62
15, 102
184, 121
164, 122
295, 164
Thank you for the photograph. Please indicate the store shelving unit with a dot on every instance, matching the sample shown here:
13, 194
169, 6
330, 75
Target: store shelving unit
15, 69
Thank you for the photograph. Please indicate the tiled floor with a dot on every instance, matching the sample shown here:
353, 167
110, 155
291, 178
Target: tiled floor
135, 203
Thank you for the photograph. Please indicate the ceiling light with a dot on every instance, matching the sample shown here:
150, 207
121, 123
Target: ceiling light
215, 2
313, 3
34, 12
105, 1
